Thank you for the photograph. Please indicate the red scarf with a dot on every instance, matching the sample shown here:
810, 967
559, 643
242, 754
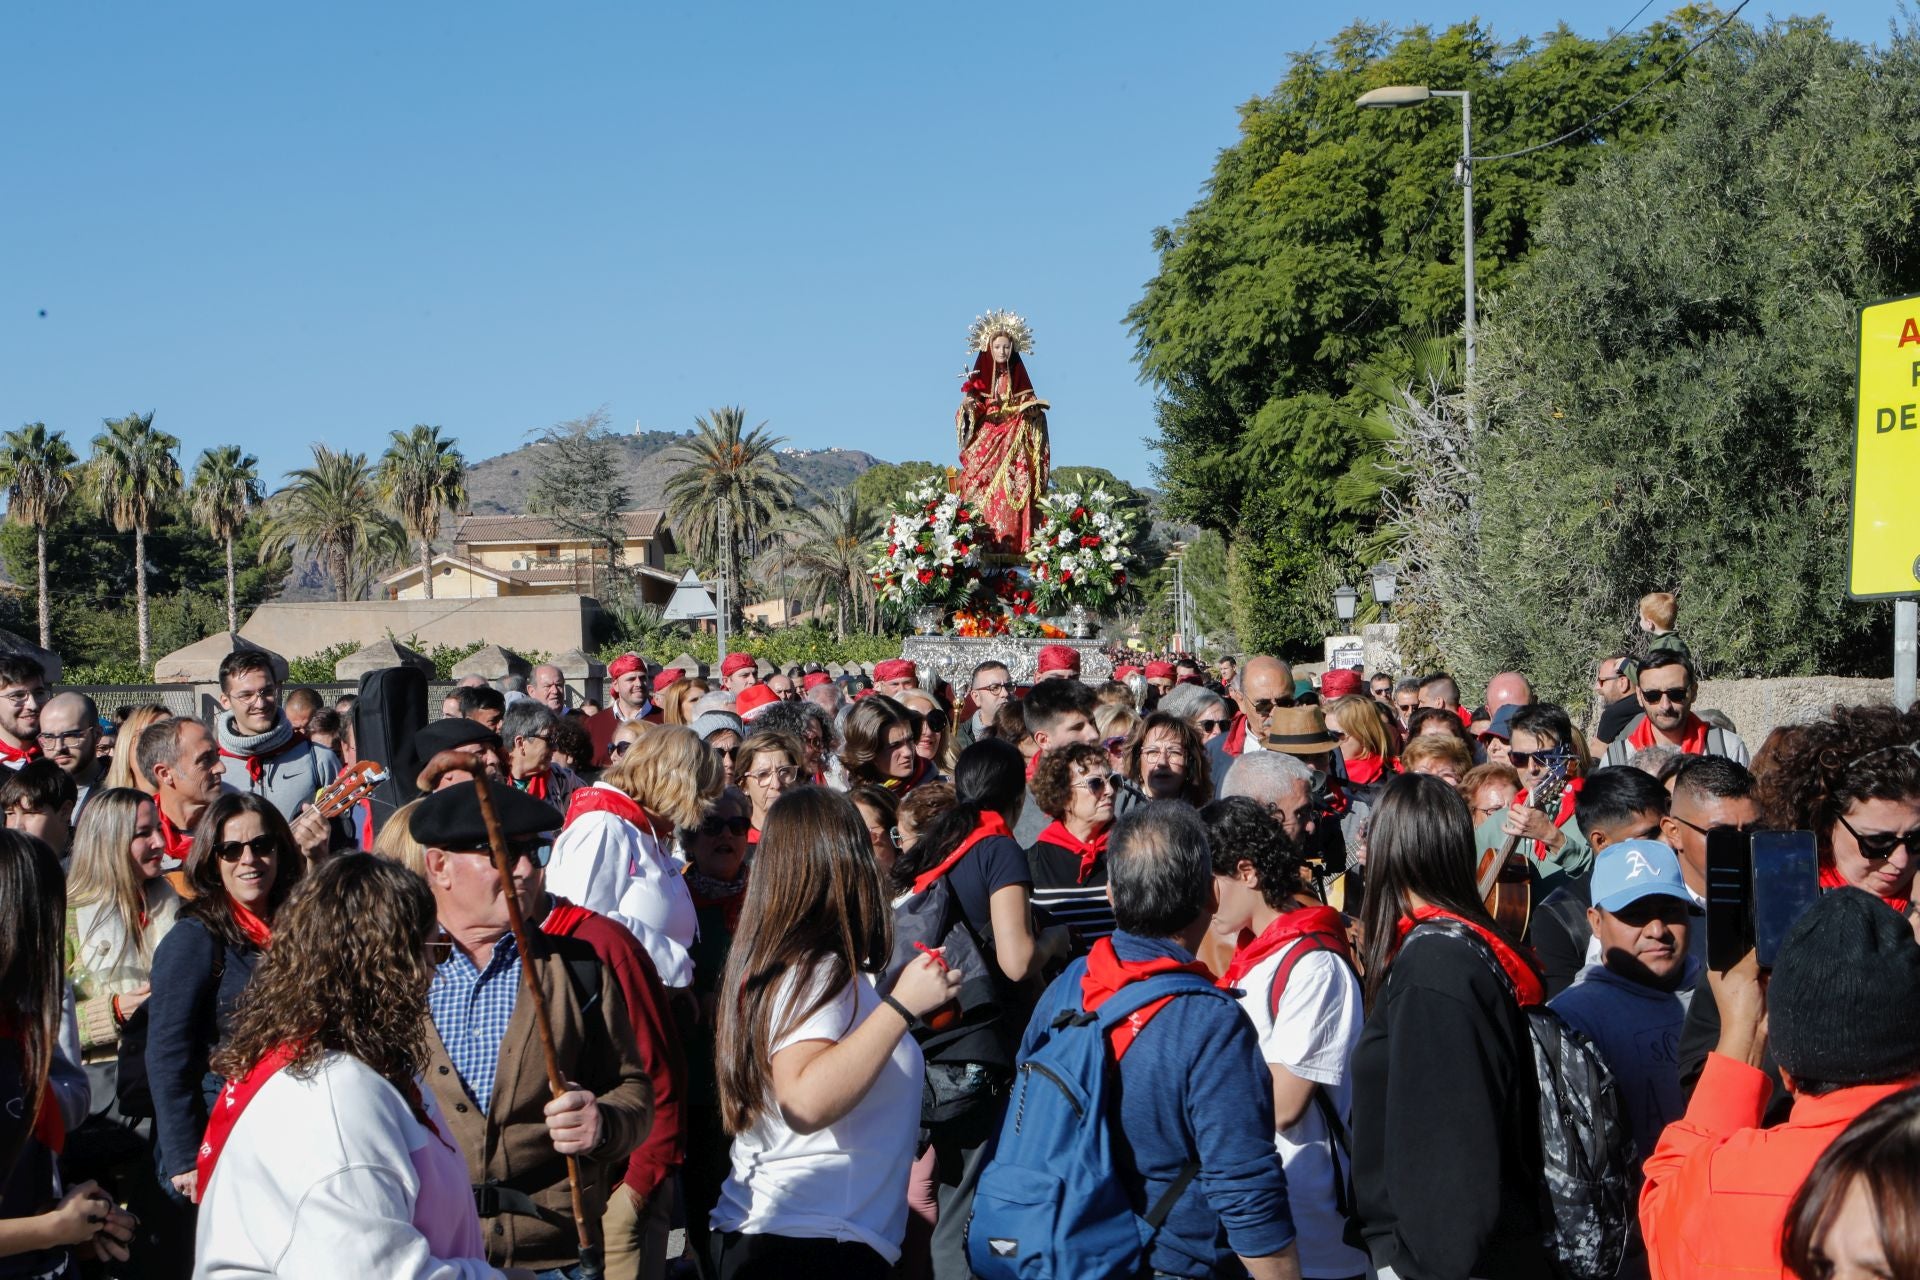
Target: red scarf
256, 930
1693, 740
179, 843
12, 755
1286, 927
535, 785
753, 835
1466, 717
1107, 973
1526, 983
990, 824
1236, 743
1569, 797
607, 800
1367, 769
564, 918
1090, 851
234, 1100
257, 764
49, 1126
1830, 878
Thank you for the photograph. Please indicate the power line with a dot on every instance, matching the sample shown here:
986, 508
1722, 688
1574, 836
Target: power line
1514, 118
1621, 105
1413, 242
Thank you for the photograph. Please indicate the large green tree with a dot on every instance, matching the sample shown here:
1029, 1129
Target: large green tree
831, 552
579, 484
133, 473
1325, 238
36, 467
224, 492
422, 475
331, 511
727, 467
1668, 382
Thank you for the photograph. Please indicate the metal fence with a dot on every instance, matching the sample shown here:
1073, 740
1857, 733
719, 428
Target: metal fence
186, 699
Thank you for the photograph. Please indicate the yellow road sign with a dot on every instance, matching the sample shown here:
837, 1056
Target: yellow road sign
1885, 553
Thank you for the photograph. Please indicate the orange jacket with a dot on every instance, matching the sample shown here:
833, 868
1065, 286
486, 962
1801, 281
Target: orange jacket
1718, 1185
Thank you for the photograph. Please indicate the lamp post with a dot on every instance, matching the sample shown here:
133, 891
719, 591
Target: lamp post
1344, 600
1386, 584
1410, 95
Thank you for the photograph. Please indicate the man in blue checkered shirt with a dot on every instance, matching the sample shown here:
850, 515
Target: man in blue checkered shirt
485, 1064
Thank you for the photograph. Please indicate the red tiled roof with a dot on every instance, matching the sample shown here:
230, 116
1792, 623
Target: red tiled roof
472, 529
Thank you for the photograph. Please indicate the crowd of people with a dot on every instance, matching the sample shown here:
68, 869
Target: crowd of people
881, 975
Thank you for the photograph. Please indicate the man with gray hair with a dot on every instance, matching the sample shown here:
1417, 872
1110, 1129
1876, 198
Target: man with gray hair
1278, 781
526, 731
1195, 1092
549, 687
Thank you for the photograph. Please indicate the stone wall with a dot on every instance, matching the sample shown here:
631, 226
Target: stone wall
1758, 707
526, 624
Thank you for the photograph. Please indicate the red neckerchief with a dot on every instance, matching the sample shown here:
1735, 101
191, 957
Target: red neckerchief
49, 1126
1288, 926
921, 768
1569, 797
564, 918
234, 1100
534, 785
11, 754
990, 824
1466, 717
1033, 765
256, 765
1830, 878
1090, 851
753, 835
607, 800
1236, 743
1107, 973
1526, 983
257, 931
179, 843
1693, 741
1364, 770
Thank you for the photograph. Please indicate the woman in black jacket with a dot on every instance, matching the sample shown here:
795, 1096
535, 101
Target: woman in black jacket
242, 866
1446, 1141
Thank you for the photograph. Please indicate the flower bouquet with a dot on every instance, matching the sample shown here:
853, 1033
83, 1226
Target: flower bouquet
1080, 551
930, 554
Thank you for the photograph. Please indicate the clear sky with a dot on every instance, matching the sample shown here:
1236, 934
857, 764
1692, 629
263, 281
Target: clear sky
277, 223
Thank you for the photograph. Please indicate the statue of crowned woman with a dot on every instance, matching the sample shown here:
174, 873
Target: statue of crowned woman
1002, 427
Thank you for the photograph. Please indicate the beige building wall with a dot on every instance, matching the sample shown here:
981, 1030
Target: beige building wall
526, 624
451, 582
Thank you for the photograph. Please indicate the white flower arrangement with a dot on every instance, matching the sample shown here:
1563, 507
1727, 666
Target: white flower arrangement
1080, 550
930, 550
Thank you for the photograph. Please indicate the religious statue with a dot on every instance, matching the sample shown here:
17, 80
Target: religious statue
1002, 427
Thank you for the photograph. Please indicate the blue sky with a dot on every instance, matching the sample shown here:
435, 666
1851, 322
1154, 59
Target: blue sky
275, 224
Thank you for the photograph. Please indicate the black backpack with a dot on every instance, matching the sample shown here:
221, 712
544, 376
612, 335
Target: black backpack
1586, 1149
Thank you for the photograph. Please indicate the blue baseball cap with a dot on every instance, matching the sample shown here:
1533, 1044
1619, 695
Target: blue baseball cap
1501, 726
1631, 870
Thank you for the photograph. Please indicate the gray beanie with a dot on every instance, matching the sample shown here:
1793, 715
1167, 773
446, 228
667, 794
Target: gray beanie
711, 722
1843, 1006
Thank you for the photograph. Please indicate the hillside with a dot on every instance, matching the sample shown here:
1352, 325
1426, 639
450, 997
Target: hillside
497, 485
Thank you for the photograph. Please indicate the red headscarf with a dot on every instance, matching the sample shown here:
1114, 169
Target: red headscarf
736, 662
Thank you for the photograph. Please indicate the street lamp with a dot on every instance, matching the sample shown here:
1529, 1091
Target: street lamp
1344, 600
1410, 95
1386, 583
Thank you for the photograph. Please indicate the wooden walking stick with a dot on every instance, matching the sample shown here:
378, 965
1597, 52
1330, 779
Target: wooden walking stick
503, 860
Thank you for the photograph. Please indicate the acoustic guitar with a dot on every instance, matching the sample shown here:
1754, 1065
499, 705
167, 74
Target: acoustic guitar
1504, 877
355, 783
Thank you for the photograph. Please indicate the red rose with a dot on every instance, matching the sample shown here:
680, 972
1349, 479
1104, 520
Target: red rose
1079, 513
926, 576
1120, 578
1066, 575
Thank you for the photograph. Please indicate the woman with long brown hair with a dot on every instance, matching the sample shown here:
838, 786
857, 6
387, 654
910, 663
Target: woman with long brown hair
614, 854
1446, 1144
242, 866
326, 1156
881, 747
819, 1081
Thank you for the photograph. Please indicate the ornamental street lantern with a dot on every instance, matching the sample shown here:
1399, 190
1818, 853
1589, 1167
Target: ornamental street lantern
1344, 600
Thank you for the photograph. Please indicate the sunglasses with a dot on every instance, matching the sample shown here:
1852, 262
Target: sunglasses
617, 749
1654, 696
1113, 744
1878, 846
539, 854
1738, 828
1264, 706
1093, 786
935, 720
715, 824
1212, 726
263, 847
1545, 759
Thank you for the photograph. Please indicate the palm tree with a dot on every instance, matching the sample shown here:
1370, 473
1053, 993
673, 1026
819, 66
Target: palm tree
422, 474
133, 473
727, 466
831, 555
36, 466
330, 510
224, 491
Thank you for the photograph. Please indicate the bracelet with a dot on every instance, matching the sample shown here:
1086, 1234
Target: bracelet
900, 1009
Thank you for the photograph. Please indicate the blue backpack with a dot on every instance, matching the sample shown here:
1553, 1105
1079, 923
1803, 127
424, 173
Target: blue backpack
1049, 1203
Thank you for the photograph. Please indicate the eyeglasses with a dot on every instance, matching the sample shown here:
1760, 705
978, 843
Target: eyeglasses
1652, 696
996, 688
714, 824
618, 749
72, 737
1093, 786
1212, 726
20, 697
1738, 828
1878, 846
1165, 755
1545, 759
783, 775
263, 847
1481, 812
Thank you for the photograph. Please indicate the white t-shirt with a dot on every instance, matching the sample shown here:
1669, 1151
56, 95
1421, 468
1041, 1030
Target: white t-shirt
606, 864
847, 1181
1313, 1037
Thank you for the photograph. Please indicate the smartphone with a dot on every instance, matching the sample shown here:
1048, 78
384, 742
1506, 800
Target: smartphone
1786, 882
1729, 897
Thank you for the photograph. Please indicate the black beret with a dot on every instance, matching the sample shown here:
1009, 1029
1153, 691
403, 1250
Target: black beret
442, 735
450, 817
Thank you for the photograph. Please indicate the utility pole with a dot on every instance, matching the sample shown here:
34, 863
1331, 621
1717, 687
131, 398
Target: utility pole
1906, 639
720, 596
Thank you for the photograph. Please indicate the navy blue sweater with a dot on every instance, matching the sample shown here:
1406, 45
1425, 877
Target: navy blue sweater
186, 1019
1193, 1087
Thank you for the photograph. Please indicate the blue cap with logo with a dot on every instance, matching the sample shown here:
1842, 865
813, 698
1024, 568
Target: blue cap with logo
1626, 872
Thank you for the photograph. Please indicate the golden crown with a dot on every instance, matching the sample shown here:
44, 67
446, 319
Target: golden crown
991, 325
